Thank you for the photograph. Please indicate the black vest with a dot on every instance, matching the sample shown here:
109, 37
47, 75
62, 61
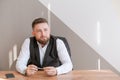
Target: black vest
51, 54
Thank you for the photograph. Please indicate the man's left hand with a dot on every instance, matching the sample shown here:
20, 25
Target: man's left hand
51, 71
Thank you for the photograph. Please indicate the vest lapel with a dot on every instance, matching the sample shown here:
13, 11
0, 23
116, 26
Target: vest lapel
34, 52
48, 50
37, 55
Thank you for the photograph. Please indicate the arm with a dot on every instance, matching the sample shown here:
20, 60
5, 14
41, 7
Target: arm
21, 64
64, 58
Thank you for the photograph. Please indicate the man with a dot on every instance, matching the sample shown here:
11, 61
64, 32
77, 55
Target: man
43, 50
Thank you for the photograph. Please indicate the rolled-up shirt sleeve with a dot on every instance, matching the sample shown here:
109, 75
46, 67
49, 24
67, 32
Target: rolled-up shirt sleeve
64, 58
23, 57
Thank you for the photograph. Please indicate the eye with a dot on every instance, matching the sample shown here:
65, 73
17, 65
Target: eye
38, 30
45, 29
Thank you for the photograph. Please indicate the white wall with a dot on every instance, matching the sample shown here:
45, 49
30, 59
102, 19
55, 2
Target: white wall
97, 22
16, 17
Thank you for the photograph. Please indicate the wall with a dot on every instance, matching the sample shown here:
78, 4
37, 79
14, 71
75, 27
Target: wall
95, 21
16, 17
15, 21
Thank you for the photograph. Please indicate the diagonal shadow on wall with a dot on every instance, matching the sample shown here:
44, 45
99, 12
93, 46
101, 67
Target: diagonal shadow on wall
20, 14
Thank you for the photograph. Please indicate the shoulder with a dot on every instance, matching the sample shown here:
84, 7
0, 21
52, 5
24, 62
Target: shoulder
59, 41
29, 39
26, 41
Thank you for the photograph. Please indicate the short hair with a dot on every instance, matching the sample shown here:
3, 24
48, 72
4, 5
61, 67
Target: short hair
39, 20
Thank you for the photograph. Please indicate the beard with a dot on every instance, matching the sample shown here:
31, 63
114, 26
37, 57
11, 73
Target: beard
43, 41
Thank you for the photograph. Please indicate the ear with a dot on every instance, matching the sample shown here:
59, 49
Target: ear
33, 33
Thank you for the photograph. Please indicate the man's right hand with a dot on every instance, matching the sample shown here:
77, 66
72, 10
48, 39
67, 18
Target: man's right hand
31, 69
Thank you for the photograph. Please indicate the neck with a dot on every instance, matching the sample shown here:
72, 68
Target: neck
42, 45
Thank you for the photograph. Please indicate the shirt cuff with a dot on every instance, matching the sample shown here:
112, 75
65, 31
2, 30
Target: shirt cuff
22, 71
61, 71
58, 71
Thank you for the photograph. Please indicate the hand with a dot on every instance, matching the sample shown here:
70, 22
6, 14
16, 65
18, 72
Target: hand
51, 71
31, 69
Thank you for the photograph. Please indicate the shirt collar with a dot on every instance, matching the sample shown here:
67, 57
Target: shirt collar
41, 46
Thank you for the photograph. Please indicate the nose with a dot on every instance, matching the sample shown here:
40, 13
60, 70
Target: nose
43, 33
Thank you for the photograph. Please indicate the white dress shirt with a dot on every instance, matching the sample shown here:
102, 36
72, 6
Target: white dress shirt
63, 55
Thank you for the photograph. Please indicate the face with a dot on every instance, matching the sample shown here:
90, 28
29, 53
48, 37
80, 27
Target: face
41, 31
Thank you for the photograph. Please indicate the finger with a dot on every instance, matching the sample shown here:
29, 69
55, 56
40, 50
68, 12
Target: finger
33, 66
51, 73
48, 68
34, 69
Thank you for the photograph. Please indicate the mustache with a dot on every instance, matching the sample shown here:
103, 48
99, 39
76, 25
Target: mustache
43, 41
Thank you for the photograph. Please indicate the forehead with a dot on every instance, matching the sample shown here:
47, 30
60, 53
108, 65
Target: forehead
41, 26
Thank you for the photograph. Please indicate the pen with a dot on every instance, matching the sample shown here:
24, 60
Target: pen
40, 68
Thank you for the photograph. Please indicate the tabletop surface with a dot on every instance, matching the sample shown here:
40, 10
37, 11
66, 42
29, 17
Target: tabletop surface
73, 75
